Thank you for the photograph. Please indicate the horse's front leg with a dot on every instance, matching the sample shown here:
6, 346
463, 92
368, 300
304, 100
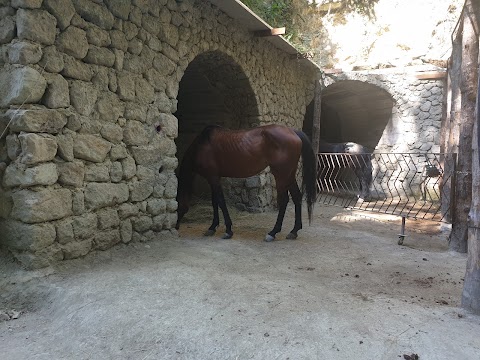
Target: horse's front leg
217, 192
216, 220
282, 200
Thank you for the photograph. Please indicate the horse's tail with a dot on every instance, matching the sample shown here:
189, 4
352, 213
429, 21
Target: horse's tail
309, 173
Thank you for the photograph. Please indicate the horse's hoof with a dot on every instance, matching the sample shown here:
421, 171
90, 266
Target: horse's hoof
269, 238
227, 236
209, 232
291, 236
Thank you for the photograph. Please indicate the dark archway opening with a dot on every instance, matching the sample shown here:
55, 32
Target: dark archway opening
214, 90
355, 111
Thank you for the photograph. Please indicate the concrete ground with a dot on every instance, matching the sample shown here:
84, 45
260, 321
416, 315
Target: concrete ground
343, 290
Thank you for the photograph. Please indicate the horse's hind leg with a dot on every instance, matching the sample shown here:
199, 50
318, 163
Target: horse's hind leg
216, 219
297, 200
282, 200
217, 192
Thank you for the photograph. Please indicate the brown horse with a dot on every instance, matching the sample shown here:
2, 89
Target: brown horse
219, 152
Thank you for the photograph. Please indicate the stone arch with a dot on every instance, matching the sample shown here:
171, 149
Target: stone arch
214, 89
355, 111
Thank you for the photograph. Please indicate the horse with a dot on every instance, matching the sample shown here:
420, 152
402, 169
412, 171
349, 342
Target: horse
219, 152
359, 159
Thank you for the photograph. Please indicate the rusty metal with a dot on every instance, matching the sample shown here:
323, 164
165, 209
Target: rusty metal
410, 185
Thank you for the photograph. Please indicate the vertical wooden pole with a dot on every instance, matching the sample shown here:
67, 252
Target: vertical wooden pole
471, 288
317, 112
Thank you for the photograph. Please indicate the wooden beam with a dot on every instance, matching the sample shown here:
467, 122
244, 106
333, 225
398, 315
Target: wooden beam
269, 32
431, 75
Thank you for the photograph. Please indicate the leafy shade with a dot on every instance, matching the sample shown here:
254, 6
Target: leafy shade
302, 18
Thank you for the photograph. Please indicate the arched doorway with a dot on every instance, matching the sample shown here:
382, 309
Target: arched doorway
355, 111
352, 111
215, 90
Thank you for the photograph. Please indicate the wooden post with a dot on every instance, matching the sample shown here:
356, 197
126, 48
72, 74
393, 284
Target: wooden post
471, 288
317, 112
465, 121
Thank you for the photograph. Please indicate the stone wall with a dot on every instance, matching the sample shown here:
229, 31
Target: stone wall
414, 125
88, 89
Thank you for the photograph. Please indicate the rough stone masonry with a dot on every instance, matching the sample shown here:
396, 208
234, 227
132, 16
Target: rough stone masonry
87, 95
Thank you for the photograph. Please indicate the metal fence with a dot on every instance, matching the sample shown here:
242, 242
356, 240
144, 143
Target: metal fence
410, 185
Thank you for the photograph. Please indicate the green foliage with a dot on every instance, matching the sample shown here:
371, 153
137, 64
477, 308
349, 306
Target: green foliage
302, 18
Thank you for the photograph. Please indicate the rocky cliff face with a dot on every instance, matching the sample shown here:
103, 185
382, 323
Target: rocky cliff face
405, 32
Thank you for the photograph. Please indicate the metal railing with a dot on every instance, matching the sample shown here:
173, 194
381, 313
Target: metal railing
410, 185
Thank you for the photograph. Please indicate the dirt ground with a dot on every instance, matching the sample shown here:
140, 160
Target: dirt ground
343, 290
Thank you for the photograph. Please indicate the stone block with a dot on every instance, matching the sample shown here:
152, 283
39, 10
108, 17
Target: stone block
144, 92
135, 133
65, 147
65, 233
156, 79
118, 152
126, 86
20, 175
84, 226
24, 53
163, 65
27, 4
169, 33
127, 210
78, 202
108, 218
20, 85
95, 13
147, 155
116, 172
126, 231
73, 41
97, 36
57, 94
129, 167
134, 111
140, 190
76, 249
36, 25
100, 56
83, 96
172, 205
20, 236
36, 120
106, 239
156, 206
169, 124
112, 133
99, 195
110, 107
119, 8
91, 148
76, 69
43, 205
52, 60
63, 11
171, 187
142, 223
37, 148
71, 173
14, 148
7, 29
97, 173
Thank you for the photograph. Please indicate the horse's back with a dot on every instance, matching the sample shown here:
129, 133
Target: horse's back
246, 152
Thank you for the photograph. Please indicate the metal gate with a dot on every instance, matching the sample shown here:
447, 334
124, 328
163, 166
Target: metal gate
410, 185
